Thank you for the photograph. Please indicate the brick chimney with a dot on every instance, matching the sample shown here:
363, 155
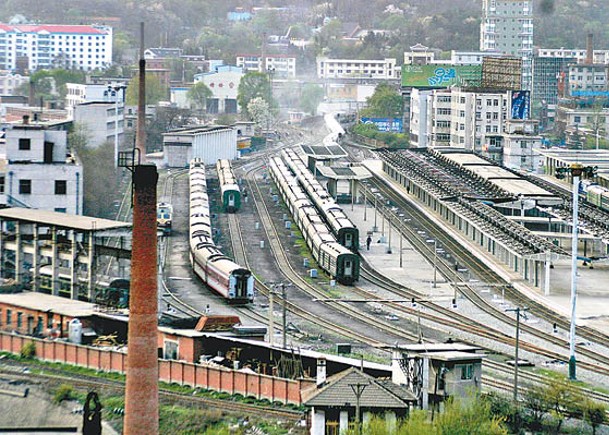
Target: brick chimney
142, 392
590, 49
321, 372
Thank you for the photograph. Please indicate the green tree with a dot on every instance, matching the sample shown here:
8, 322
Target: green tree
594, 413
310, 98
563, 399
536, 402
155, 90
252, 85
198, 95
385, 102
260, 112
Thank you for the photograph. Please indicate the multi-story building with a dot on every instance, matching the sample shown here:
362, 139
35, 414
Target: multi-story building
577, 55
102, 120
587, 79
9, 82
507, 27
38, 172
521, 145
544, 94
282, 66
83, 93
42, 46
356, 68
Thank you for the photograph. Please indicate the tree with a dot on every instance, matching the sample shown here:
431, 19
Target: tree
563, 400
536, 402
253, 85
386, 102
260, 112
310, 98
198, 95
594, 414
155, 90
597, 123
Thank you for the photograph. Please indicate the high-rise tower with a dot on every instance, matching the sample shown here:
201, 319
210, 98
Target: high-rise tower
507, 27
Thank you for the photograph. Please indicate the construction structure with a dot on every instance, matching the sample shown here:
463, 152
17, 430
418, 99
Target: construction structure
504, 73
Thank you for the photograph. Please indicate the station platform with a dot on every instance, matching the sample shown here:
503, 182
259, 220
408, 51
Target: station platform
417, 273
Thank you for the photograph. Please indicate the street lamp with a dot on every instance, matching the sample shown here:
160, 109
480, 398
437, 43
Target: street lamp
576, 170
518, 312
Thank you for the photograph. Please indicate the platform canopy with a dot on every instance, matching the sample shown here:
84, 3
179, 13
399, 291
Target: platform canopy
344, 172
323, 152
61, 220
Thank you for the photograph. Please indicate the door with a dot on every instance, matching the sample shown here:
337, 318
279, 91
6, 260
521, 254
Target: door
48, 152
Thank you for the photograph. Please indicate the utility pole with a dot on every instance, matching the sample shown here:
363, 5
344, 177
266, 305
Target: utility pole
435, 263
358, 390
517, 310
284, 316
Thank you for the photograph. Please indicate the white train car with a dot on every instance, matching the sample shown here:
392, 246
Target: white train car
230, 280
229, 189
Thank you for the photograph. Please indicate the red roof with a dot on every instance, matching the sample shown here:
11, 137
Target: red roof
52, 28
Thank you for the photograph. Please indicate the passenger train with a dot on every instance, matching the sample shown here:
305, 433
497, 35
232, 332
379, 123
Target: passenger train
230, 280
595, 194
164, 216
231, 194
330, 255
112, 292
344, 230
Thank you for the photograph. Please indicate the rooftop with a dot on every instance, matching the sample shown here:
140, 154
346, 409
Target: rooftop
63, 220
43, 302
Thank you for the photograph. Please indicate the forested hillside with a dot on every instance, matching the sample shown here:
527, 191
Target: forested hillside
201, 25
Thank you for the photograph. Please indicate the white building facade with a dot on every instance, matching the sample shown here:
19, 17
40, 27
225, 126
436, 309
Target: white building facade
38, 171
356, 68
522, 143
42, 46
282, 66
78, 93
224, 85
102, 120
207, 143
579, 54
9, 82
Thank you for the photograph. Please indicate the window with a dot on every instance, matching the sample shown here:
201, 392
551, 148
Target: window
19, 319
24, 144
9, 317
467, 372
60, 209
577, 119
495, 115
25, 187
2, 184
60, 187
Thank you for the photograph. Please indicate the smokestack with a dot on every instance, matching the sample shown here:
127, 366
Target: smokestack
31, 96
140, 139
142, 394
590, 49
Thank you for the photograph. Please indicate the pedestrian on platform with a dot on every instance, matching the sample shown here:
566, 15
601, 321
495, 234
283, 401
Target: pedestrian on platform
368, 241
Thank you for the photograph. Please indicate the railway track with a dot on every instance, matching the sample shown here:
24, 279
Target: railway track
53, 376
467, 258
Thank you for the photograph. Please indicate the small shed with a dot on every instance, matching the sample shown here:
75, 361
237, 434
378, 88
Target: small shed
334, 404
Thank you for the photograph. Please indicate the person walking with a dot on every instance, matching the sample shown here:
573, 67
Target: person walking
368, 241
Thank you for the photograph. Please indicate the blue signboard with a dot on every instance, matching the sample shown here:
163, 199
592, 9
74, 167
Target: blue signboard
521, 104
590, 93
393, 125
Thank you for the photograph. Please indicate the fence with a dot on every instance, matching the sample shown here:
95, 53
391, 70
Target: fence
195, 375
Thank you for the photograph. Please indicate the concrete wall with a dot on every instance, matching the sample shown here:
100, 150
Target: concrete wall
183, 373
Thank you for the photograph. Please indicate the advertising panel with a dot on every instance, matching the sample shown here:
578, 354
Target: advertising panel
392, 125
521, 103
441, 76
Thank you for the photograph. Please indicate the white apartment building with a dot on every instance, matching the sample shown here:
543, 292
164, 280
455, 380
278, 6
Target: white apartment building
587, 78
580, 55
459, 118
38, 46
470, 57
9, 82
83, 93
521, 146
356, 68
281, 66
102, 121
507, 27
38, 173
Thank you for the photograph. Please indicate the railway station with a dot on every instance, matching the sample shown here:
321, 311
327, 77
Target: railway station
58, 253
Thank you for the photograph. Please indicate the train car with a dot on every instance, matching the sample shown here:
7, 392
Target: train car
231, 194
164, 216
112, 292
347, 234
341, 263
598, 196
230, 280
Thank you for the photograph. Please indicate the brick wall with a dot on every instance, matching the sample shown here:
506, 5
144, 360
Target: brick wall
183, 373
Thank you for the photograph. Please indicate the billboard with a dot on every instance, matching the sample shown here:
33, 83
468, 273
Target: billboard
387, 125
441, 76
521, 104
